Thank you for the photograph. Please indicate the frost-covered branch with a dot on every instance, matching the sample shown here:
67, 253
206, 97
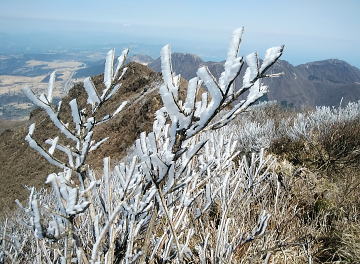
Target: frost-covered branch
175, 199
83, 123
222, 92
73, 186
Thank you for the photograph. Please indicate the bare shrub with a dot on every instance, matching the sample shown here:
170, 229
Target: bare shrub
331, 147
156, 207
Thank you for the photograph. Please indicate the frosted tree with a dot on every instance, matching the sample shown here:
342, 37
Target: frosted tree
72, 186
156, 207
168, 151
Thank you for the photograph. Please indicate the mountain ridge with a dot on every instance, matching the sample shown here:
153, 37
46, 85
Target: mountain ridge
325, 82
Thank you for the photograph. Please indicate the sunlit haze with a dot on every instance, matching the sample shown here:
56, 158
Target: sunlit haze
311, 30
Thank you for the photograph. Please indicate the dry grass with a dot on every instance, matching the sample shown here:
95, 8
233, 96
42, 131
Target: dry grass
10, 124
330, 149
328, 201
315, 203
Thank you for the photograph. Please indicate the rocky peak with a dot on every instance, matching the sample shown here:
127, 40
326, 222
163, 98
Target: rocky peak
331, 71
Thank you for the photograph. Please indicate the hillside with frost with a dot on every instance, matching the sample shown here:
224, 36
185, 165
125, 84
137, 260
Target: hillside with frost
216, 179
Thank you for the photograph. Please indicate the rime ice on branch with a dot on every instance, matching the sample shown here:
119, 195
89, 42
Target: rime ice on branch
180, 170
168, 151
84, 123
190, 120
72, 198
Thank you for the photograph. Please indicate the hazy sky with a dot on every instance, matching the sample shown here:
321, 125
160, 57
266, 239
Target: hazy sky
311, 30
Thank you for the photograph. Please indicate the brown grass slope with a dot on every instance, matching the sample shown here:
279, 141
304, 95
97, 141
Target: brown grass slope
324, 188
10, 124
21, 165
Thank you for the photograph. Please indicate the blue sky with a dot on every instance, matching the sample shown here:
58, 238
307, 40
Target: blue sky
311, 30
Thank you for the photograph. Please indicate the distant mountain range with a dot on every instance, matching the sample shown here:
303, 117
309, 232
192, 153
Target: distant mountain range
315, 83
324, 82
